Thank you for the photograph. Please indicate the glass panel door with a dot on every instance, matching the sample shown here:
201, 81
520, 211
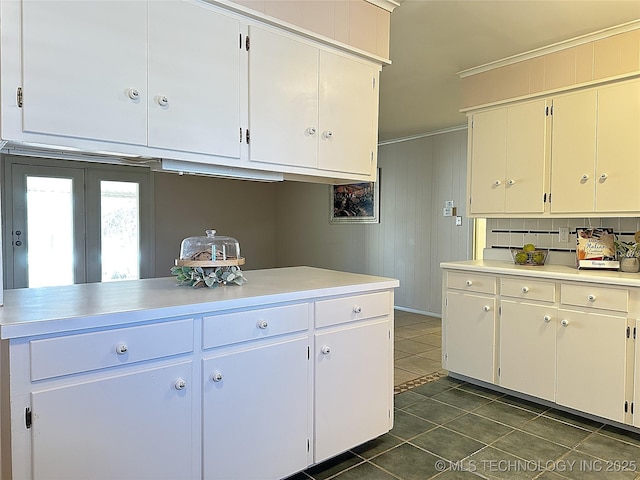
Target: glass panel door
47, 228
120, 230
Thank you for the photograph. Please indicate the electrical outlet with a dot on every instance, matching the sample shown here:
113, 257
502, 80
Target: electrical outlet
458, 221
449, 203
563, 234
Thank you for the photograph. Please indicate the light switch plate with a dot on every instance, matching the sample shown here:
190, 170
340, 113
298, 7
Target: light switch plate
563, 234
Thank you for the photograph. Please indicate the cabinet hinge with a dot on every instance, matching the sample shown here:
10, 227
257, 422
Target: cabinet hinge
308, 445
240, 42
247, 43
248, 136
27, 417
308, 352
634, 333
19, 97
626, 406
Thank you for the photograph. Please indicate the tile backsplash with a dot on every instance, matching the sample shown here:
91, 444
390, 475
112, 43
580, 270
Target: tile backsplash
544, 232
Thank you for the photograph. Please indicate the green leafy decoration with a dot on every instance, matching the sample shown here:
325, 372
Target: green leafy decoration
208, 276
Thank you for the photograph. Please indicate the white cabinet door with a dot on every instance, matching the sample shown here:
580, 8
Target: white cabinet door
194, 79
470, 335
618, 148
348, 115
129, 425
591, 363
283, 99
83, 63
353, 382
573, 153
528, 348
526, 169
488, 161
256, 412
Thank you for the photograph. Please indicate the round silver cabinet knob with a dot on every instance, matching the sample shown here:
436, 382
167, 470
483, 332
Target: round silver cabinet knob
180, 384
328, 134
326, 349
263, 324
497, 183
584, 178
591, 298
486, 308
133, 93
564, 322
311, 131
468, 283
216, 377
162, 100
603, 177
122, 349
511, 182
547, 318
525, 289
357, 309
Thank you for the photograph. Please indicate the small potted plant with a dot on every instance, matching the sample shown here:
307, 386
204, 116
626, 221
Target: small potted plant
628, 253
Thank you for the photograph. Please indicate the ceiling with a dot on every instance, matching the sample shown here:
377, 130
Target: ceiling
433, 40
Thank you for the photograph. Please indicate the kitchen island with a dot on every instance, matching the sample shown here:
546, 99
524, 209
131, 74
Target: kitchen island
148, 380
554, 334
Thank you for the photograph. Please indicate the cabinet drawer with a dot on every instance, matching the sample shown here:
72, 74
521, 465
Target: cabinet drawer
595, 296
473, 282
53, 357
347, 309
237, 327
526, 288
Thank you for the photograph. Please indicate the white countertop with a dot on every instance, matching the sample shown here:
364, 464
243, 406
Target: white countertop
35, 311
553, 272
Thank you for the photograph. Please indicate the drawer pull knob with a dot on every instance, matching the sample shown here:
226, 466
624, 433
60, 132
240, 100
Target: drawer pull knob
525, 289
216, 377
564, 322
584, 178
357, 309
603, 177
511, 182
486, 308
162, 100
122, 349
326, 350
468, 283
263, 324
180, 384
547, 318
497, 183
591, 298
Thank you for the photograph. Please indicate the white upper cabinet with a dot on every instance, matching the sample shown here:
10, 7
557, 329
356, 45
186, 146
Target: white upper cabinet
508, 169
84, 67
194, 79
162, 74
310, 107
596, 150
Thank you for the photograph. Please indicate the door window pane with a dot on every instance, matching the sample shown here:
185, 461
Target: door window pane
120, 230
50, 231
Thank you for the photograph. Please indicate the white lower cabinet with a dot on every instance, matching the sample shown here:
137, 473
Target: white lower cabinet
134, 425
557, 339
255, 411
469, 335
528, 348
591, 367
352, 384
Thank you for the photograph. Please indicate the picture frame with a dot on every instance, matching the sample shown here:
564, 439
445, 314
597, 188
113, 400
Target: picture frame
355, 202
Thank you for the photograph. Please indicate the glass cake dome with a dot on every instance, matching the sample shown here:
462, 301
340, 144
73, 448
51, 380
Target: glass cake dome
210, 250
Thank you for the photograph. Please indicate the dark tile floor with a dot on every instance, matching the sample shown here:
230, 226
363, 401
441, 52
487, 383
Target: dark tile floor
450, 430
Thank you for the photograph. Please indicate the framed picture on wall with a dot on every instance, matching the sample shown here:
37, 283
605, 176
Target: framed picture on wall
355, 202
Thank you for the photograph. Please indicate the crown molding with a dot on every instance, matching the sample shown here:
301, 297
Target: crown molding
555, 47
